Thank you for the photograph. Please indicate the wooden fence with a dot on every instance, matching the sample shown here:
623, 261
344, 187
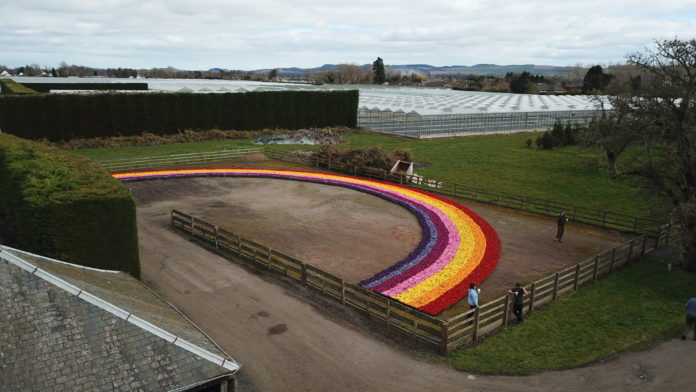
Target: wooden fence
196, 157
591, 216
392, 313
445, 335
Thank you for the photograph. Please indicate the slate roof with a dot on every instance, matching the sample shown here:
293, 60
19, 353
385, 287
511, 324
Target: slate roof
66, 327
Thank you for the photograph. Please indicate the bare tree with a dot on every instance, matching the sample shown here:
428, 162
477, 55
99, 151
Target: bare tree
665, 106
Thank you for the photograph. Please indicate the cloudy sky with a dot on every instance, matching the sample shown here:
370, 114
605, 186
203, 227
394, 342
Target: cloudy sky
254, 34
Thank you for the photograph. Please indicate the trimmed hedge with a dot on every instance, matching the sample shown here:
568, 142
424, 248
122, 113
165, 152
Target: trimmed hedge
65, 206
9, 86
47, 87
68, 116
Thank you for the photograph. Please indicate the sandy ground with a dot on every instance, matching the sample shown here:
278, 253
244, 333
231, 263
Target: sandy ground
289, 342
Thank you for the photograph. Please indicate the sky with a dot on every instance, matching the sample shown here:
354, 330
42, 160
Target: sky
264, 34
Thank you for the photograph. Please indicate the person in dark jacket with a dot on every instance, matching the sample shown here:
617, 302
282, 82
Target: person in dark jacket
561, 220
518, 291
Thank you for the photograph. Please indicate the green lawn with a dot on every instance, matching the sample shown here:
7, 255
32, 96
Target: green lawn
498, 162
641, 304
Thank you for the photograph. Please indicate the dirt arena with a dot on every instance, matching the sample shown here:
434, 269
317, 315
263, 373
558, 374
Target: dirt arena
355, 235
287, 343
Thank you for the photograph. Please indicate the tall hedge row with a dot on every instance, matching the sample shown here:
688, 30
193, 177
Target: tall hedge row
65, 206
68, 116
47, 87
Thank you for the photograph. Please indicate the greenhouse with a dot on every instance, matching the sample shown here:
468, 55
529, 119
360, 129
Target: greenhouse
419, 112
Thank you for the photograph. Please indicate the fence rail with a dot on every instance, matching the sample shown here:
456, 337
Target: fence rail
445, 335
536, 205
394, 314
592, 216
196, 157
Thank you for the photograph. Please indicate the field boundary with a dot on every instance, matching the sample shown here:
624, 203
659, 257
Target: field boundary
444, 335
592, 216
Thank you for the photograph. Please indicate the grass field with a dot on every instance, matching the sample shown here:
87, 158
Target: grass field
500, 162
641, 304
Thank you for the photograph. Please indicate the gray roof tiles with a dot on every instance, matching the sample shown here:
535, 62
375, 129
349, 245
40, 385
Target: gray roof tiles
53, 339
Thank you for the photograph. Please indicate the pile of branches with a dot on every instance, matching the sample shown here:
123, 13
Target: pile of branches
369, 157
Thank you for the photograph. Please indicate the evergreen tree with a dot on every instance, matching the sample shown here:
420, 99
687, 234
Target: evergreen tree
595, 80
379, 76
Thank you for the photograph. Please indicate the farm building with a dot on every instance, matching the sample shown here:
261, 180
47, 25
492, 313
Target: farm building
68, 327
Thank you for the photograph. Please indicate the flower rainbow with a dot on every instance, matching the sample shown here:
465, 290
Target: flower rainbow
458, 246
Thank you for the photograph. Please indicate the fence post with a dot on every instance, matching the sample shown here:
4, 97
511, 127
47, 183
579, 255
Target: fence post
506, 310
577, 277
193, 222
444, 338
630, 251
555, 287
388, 310
659, 234
531, 298
304, 273
613, 254
216, 236
270, 252
343, 291
477, 315
604, 218
239, 244
642, 248
596, 267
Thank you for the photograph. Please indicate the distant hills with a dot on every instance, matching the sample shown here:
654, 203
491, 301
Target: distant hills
478, 69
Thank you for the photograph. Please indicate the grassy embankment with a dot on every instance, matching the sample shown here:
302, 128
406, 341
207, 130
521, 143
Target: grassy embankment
496, 162
641, 304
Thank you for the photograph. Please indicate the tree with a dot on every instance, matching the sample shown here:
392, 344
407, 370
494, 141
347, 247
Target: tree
613, 132
379, 76
522, 84
272, 74
595, 80
665, 106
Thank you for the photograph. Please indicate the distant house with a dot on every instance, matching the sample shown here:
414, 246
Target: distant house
5, 74
68, 327
549, 88
573, 87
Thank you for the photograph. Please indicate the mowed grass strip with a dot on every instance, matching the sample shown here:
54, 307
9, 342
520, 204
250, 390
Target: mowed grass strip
640, 304
499, 162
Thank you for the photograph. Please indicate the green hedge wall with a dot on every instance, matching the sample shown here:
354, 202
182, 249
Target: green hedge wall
9, 86
65, 206
47, 87
67, 116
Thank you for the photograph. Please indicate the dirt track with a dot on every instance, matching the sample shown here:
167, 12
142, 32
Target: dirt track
288, 344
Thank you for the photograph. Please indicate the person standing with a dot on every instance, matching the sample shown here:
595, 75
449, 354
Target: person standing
561, 220
473, 297
690, 317
518, 291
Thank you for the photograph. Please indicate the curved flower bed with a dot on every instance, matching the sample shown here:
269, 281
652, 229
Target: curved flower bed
458, 247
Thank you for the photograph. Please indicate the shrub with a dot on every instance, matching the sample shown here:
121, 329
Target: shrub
65, 206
